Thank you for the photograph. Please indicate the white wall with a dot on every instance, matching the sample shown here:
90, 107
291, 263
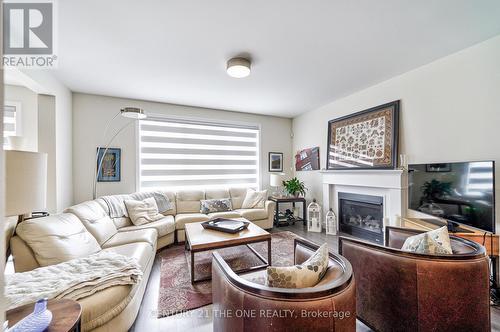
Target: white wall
450, 111
91, 113
44, 82
29, 113
47, 142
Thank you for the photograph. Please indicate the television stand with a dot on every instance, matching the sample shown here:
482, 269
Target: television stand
490, 241
455, 228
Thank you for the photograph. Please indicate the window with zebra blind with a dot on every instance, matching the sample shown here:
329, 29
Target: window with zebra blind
183, 154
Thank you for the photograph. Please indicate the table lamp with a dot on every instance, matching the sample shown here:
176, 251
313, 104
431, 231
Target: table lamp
26, 182
276, 180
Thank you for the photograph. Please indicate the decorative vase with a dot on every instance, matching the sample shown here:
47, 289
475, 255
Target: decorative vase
38, 321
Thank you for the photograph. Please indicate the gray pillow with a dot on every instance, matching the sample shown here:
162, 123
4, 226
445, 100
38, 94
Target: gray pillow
216, 205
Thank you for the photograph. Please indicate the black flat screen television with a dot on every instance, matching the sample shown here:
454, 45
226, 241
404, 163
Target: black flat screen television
460, 192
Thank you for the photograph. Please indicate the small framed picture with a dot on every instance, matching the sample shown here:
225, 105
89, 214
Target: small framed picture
110, 166
275, 162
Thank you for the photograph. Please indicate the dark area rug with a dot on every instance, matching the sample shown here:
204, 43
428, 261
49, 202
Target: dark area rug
177, 294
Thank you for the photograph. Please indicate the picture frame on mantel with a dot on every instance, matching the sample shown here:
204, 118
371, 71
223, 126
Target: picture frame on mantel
364, 140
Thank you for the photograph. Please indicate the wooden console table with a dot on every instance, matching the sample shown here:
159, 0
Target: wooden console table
491, 242
280, 200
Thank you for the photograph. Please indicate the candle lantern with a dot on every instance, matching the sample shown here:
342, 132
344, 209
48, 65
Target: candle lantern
331, 222
314, 217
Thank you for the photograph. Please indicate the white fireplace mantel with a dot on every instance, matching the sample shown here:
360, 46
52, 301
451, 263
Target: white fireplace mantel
391, 185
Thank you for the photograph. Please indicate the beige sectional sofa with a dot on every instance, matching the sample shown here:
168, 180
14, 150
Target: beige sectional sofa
87, 228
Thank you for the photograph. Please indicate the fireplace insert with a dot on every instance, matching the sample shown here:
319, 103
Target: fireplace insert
362, 216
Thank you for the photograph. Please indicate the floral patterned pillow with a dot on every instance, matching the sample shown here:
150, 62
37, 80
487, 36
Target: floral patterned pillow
307, 274
216, 205
432, 242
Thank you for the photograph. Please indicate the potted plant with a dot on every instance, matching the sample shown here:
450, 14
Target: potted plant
295, 187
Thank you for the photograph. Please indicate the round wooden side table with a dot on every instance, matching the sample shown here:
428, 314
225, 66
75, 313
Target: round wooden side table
66, 315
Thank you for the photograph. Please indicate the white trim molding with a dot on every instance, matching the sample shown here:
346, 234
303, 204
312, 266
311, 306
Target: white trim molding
391, 185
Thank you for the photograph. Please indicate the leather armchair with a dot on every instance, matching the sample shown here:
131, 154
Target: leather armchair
240, 304
403, 291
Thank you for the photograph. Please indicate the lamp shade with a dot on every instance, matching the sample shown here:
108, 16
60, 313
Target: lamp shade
26, 182
15, 142
276, 179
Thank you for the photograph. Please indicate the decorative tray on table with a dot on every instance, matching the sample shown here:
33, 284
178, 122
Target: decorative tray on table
226, 225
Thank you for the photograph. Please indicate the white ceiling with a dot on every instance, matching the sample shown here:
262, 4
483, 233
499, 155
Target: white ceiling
304, 53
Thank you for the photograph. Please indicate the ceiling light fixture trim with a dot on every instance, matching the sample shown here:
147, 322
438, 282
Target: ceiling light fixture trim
238, 67
133, 113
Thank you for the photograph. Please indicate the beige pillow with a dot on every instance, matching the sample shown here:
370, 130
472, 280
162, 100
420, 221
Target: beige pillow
307, 274
254, 199
143, 212
432, 242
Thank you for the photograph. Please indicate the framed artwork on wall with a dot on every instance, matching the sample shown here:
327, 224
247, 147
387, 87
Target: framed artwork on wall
110, 165
307, 159
275, 162
364, 140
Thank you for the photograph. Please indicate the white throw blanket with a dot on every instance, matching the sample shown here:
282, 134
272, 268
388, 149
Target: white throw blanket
74, 279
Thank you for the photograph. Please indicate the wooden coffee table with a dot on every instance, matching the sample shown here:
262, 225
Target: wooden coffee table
199, 239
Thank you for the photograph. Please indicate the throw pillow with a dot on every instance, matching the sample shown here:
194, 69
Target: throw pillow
307, 274
432, 242
143, 212
254, 199
162, 201
216, 205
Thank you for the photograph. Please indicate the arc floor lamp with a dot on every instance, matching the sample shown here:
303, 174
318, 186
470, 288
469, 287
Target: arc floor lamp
133, 113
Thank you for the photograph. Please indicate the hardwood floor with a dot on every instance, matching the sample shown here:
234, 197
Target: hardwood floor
146, 321
201, 319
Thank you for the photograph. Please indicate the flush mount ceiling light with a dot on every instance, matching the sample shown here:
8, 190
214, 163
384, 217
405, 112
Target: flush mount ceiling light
238, 67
